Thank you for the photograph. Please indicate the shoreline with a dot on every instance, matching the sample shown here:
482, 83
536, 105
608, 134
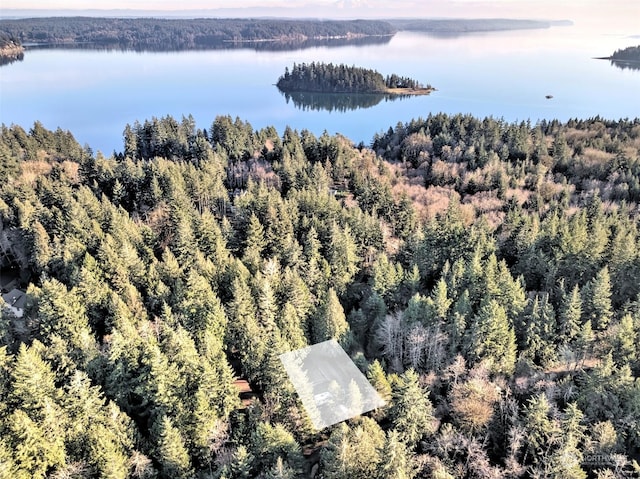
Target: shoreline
388, 91
410, 91
11, 52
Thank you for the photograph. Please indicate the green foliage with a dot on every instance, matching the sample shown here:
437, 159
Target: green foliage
397, 460
411, 411
597, 300
275, 442
330, 322
491, 339
170, 450
180, 34
330, 78
353, 451
145, 283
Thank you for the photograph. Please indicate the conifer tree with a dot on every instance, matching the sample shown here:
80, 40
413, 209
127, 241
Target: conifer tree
62, 313
597, 300
342, 256
330, 322
353, 452
624, 350
411, 411
254, 245
490, 338
210, 239
570, 314
397, 460
33, 380
539, 331
542, 431
271, 442
170, 450
35, 450
201, 310
378, 379
290, 326
317, 270
280, 470
241, 464
584, 341
40, 248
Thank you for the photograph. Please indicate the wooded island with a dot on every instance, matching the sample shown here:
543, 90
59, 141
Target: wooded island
330, 78
627, 54
10, 49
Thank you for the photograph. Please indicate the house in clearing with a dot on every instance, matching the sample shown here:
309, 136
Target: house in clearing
15, 301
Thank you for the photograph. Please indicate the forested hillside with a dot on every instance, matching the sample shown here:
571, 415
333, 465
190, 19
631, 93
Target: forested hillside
176, 34
484, 275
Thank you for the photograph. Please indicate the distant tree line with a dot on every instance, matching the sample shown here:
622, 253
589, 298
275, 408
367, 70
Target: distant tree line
179, 34
454, 25
330, 78
629, 53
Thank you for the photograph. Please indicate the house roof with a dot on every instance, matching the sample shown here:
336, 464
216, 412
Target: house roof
15, 298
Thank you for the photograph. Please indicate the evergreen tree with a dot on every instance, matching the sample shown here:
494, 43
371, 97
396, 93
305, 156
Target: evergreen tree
40, 248
33, 381
353, 452
570, 314
597, 300
411, 411
539, 331
62, 313
378, 380
241, 464
35, 450
624, 351
330, 322
342, 256
170, 450
397, 461
201, 310
254, 245
491, 339
584, 341
273, 442
542, 431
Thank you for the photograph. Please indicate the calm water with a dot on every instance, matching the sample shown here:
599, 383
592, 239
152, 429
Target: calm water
95, 93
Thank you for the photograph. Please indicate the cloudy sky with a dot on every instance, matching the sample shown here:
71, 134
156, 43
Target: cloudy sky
613, 12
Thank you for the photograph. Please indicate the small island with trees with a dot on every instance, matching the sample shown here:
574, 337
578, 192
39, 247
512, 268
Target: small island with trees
625, 58
10, 49
329, 78
627, 54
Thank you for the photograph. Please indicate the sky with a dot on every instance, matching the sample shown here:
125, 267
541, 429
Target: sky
613, 12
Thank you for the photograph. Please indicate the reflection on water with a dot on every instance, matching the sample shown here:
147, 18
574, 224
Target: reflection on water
5, 60
626, 64
339, 102
265, 45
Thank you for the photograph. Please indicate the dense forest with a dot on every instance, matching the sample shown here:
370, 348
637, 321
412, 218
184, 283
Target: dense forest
175, 34
330, 78
484, 275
